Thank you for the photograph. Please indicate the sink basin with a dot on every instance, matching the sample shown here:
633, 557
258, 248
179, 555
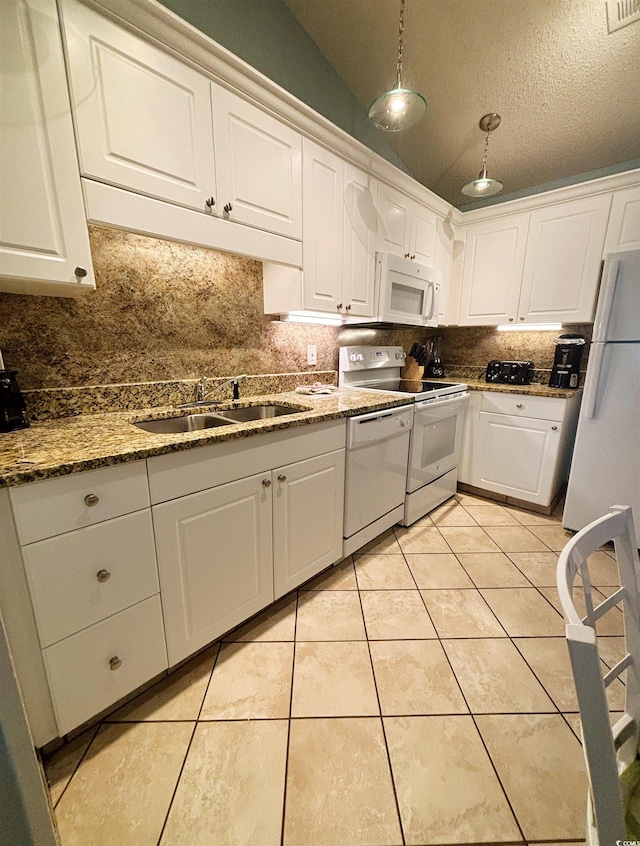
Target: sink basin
186, 423
256, 412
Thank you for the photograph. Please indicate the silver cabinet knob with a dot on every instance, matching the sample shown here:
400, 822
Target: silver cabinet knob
554, 428
511, 320
80, 272
348, 307
91, 500
519, 405
413, 257
282, 478
522, 318
228, 207
115, 662
103, 576
210, 202
339, 306
406, 255
403, 422
266, 483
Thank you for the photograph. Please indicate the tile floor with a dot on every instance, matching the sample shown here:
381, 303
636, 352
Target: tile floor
418, 693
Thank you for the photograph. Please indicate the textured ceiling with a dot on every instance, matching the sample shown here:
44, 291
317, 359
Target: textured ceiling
566, 89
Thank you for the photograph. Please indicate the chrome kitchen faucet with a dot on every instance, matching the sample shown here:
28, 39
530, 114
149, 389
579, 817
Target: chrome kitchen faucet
201, 396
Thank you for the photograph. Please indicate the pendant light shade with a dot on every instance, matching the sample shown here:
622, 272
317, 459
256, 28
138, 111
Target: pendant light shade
484, 186
399, 108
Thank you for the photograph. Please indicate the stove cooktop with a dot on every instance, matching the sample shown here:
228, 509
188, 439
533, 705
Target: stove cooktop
417, 388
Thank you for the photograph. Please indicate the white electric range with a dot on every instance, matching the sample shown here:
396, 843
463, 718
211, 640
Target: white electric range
436, 433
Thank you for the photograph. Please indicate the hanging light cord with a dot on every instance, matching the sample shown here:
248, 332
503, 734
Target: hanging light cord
484, 158
400, 43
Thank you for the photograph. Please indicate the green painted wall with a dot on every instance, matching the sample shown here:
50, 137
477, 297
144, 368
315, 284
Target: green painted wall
266, 35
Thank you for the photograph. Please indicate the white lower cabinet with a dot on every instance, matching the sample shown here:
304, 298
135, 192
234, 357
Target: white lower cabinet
215, 561
308, 505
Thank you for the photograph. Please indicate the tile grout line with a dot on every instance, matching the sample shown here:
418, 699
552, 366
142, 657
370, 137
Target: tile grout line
186, 755
77, 766
286, 759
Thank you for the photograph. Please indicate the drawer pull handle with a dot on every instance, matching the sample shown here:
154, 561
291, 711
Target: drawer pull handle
282, 478
91, 500
115, 663
554, 428
103, 576
266, 483
519, 405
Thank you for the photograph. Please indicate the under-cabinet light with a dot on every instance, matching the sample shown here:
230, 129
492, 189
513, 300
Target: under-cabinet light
312, 317
530, 327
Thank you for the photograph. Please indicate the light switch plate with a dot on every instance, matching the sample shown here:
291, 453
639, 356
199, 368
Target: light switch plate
312, 354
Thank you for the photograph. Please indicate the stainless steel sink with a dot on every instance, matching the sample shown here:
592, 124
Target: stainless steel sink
256, 412
186, 423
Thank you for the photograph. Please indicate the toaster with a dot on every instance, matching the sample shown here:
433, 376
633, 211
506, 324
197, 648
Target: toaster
510, 372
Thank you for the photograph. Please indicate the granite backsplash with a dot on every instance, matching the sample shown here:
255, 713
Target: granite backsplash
169, 314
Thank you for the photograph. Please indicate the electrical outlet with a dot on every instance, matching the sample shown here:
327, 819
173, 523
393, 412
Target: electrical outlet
312, 354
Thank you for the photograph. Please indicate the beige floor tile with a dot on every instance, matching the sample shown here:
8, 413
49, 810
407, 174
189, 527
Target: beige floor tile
414, 677
447, 789
438, 570
177, 697
395, 614
250, 681
124, 785
468, 539
603, 570
386, 542
494, 677
61, 764
383, 572
531, 518
339, 788
330, 615
516, 539
333, 680
548, 657
461, 613
524, 612
340, 577
611, 649
612, 623
451, 513
491, 515
574, 722
491, 569
421, 539
277, 622
232, 788
541, 766
423, 521
555, 537
538, 567
471, 499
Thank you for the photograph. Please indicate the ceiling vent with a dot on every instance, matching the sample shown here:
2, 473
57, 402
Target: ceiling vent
622, 12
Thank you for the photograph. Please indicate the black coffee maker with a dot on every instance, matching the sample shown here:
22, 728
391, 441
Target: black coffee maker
566, 363
13, 411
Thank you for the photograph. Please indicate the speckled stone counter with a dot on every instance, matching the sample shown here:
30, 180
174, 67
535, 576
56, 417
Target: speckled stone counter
535, 389
70, 445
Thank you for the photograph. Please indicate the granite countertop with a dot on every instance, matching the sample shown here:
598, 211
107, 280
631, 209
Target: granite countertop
535, 389
72, 444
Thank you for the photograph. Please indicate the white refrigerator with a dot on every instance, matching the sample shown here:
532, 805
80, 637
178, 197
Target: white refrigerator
605, 469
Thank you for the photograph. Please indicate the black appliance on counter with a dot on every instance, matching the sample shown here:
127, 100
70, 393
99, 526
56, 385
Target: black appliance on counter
509, 372
13, 411
566, 363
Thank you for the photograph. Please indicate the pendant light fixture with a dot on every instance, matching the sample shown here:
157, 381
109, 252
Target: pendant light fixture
400, 107
484, 186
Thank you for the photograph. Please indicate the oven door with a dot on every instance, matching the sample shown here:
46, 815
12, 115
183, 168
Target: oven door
436, 438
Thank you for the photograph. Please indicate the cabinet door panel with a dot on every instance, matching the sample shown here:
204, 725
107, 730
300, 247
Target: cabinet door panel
623, 231
562, 264
423, 235
143, 117
360, 199
214, 560
492, 272
43, 232
262, 173
322, 228
394, 221
515, 456
308, 504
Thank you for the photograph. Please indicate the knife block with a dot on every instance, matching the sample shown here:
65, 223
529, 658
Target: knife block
412, 370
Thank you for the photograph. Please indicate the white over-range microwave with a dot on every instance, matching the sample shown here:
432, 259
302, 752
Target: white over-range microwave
407, 292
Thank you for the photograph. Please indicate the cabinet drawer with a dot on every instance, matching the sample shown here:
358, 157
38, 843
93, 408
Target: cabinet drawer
81, 679
49, 508
66, 592
523, 405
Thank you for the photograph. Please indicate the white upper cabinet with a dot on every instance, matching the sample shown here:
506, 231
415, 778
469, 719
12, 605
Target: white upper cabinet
492, 271
359, 242
260, 166
322, 229
623, 232
562, 263
405, 228
44, 243
143, 118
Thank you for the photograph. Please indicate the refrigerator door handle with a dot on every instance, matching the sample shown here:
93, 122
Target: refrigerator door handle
606, 301
596, 354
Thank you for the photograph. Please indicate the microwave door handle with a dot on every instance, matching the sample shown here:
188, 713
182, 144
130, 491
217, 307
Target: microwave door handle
432, 301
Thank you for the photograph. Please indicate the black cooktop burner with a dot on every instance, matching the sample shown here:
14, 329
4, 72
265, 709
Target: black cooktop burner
410, 386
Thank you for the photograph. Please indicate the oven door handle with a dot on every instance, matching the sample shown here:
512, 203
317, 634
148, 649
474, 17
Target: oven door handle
428, 404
